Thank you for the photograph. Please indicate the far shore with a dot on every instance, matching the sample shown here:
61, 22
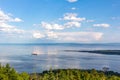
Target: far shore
107, 52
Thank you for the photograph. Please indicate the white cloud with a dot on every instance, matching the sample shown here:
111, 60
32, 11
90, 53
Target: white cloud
8, 18
38, 35
102, 25
75, 36
72, 24
70, 20
36, 25
89, 20
17, 20
18, 31
51, 35
4, 17
4, 25
73, 17
7, 29
80, 36
73, 8
55, 26
72, 1
49, 26
69, 36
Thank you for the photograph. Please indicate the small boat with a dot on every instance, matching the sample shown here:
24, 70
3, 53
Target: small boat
35, 53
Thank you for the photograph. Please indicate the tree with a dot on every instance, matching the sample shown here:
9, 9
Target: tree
25, 76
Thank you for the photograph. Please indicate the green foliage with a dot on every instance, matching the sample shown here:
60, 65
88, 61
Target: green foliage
3, 77
76, 74
24, 75
8, 73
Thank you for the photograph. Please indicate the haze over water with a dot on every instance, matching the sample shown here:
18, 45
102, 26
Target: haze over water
53, 56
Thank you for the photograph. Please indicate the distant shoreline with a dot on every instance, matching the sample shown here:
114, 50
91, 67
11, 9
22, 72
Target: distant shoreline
59, 43
107, 52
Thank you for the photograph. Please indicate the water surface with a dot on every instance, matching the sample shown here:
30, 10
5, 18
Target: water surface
53, 55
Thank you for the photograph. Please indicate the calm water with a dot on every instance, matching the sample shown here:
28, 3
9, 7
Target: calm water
52, 55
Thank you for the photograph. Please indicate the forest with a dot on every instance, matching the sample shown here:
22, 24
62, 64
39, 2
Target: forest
9, 73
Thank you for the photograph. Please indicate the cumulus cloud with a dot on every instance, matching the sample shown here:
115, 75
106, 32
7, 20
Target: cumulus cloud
18, 20
72, 24
4, 25
51, 35
38, 35
71, 1
75, 36
6, 28
69, 36
4, 17
70, 20
102, 25
55, 26
49, 26
9, 28
73, 17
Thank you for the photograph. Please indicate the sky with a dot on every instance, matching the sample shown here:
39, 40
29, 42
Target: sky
59, 21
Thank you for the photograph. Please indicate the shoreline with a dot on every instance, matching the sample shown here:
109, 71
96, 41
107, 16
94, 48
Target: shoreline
57, 70
107, 52
76, 74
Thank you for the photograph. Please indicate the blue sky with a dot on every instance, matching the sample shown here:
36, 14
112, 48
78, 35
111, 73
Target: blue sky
59, 21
